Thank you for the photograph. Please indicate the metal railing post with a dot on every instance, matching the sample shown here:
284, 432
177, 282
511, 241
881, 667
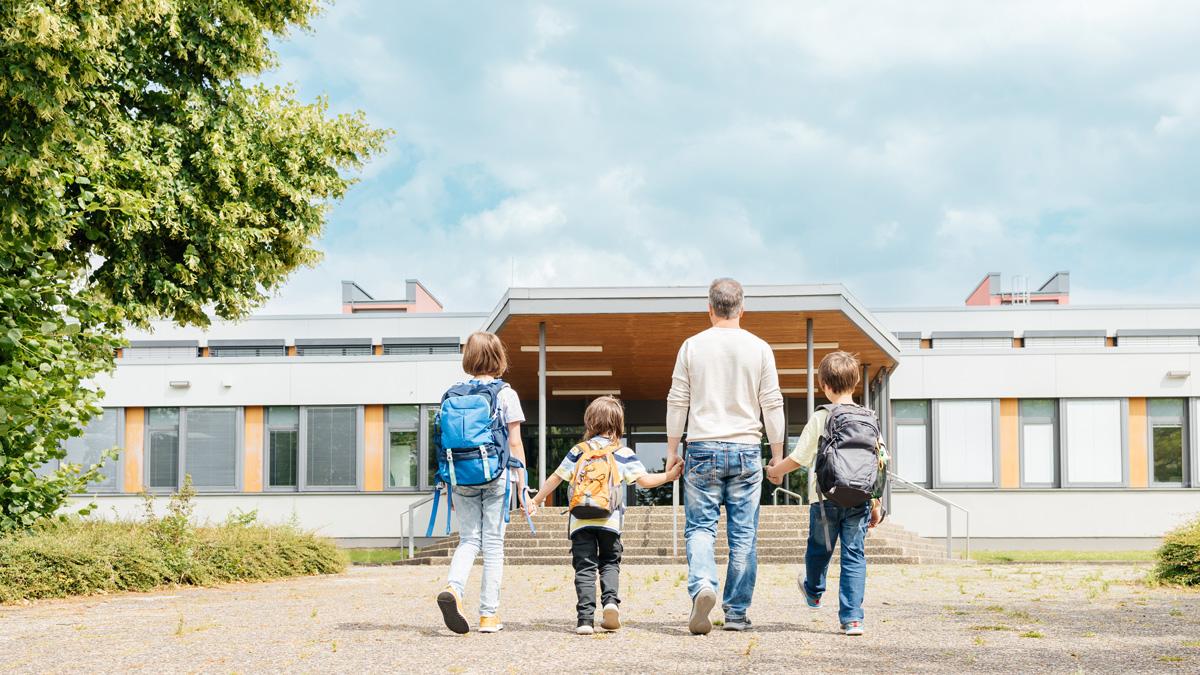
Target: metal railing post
412, 530
949, 532
674, 519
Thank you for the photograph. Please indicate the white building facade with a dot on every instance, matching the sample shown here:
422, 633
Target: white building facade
1054, 425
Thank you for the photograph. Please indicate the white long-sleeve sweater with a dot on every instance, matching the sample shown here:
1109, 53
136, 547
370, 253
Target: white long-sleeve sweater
724, 382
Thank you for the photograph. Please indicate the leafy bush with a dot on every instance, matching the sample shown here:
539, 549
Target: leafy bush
80, 557
1179, 556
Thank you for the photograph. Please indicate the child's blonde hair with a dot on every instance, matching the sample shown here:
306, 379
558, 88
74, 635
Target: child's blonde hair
604, 416
484, 355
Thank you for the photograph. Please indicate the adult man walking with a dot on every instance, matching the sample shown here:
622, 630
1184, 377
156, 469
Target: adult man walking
724, 382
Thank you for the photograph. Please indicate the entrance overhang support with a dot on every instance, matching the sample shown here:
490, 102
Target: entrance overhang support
541, 404
810, 388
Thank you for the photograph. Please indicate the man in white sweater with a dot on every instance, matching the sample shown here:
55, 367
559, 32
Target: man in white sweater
724, 387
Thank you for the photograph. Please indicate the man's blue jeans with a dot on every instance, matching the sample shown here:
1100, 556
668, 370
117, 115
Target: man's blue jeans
729, 473
849, 525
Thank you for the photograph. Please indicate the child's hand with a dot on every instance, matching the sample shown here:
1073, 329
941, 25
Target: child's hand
675, 471
876, 513
773, 474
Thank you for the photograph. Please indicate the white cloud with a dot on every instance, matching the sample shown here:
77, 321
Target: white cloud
682, 142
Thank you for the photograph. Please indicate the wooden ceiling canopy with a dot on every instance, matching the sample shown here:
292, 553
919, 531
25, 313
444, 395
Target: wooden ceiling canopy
639, 349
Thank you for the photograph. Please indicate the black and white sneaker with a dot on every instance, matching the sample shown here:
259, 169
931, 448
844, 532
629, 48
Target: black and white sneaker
739, 624
611, 617
584, 627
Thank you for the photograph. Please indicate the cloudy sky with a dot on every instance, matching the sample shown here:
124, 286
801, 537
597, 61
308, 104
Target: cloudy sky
904, 149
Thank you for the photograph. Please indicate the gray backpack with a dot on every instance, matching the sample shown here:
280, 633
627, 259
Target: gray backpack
848, 455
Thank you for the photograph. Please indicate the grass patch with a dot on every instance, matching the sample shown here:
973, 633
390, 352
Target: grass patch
994, 627
1032, 634
1061, 556
84, 557
376, 556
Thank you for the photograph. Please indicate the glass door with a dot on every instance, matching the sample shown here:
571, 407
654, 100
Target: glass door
652, 450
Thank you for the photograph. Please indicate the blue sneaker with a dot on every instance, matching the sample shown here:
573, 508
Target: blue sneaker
814, 602
853, 628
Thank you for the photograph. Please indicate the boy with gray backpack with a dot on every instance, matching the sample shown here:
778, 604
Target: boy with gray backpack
842, 447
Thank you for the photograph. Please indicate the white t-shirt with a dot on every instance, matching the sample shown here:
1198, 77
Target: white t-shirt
510, 403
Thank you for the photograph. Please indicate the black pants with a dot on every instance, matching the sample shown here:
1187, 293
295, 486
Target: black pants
594, 548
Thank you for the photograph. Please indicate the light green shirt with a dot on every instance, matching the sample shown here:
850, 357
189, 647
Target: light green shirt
804, 452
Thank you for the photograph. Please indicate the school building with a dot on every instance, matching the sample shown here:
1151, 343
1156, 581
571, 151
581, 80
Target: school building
1052, 424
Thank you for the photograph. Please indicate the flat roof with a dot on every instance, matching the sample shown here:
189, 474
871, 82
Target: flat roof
624, 340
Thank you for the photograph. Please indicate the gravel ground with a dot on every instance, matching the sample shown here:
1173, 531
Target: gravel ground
1094, 618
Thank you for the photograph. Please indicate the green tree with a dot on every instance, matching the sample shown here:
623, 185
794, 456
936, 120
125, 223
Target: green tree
143, 175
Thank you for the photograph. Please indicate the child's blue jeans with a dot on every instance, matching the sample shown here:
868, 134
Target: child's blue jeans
849, 525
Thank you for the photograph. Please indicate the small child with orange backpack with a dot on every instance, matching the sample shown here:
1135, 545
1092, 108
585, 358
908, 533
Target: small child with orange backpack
596, 472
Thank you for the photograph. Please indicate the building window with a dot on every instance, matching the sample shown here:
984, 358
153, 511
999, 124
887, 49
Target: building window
162, 351
283, 446
314, 448
334, 350
102, 433
200, 442
1167, 421
965, 443
331, 446
1061, 341
1093, 441
911, 454
1039, 443
246, 351
429, 415
162, 448
1157, 340
973, 342
418, 349
403, 446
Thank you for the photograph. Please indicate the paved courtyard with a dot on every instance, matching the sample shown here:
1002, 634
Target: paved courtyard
946, 619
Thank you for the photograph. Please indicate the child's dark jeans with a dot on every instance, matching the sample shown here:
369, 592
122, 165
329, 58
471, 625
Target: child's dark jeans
592, 549
849, 525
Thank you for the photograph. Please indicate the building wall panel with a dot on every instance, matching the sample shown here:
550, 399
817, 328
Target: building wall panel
252, 463
373, 448
1010, 453
1139, 470
135, 422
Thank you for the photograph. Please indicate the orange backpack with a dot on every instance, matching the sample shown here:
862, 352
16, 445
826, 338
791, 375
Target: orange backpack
594, 490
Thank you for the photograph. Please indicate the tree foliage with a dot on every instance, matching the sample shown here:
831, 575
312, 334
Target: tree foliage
143, 175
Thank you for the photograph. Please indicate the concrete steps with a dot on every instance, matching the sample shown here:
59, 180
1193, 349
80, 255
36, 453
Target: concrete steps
647, 540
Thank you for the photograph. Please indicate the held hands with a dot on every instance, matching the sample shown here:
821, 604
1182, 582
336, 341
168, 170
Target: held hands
674, 470
773, 473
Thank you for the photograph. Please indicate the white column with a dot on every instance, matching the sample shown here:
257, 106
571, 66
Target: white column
541, 404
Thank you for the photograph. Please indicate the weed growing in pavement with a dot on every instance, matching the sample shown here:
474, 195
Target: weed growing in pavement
996, 627
1170, 659
1032, 634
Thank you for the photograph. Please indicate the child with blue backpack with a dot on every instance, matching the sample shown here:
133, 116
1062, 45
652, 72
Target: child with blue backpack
481, 461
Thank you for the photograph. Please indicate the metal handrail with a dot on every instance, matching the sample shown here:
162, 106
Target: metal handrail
949, 514
412, 529
775, 495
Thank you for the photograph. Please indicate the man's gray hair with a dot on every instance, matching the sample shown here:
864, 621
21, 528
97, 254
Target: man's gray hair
725, 297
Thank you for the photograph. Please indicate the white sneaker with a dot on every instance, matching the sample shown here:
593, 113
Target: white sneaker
702, 604
584, 629
611, 619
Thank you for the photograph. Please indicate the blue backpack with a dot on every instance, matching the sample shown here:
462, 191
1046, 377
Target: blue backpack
470, 441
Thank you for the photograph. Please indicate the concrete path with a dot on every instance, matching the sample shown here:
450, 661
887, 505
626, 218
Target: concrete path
931, 618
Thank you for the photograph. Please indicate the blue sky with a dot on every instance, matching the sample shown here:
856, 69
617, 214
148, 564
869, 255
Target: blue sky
904, 149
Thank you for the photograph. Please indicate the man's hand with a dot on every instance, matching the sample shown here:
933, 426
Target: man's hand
675, 471
772, 474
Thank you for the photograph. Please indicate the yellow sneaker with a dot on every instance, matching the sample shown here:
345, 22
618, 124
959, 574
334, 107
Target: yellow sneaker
490, 624
451, 605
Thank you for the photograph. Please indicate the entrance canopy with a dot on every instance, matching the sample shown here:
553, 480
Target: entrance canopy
624, 340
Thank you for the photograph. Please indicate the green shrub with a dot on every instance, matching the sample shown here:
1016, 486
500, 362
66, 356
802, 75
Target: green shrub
1179, 556
79, 556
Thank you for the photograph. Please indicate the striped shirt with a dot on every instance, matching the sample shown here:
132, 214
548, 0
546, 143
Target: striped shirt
631, 469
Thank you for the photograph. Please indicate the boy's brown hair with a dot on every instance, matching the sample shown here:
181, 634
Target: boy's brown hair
839, 372
604, 416
484, 355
